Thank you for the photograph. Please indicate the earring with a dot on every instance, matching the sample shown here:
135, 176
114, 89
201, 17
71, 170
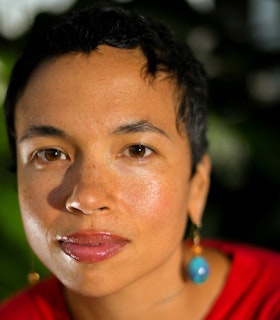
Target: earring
198, 268
33, 277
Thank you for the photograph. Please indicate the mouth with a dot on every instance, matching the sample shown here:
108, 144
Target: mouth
87, 247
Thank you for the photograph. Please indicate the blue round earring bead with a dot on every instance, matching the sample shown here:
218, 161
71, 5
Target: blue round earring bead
198, 269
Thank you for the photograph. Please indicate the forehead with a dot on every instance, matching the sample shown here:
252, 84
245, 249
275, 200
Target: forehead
119, 64
109, 80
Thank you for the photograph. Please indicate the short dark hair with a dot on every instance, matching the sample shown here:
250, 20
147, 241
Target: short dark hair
84, 31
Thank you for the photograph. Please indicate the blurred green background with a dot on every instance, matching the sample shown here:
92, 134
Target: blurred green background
239, 43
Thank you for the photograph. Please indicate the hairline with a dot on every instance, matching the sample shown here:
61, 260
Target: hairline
180, 90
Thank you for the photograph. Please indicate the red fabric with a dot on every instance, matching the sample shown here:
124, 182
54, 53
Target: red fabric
252, 291
43, 301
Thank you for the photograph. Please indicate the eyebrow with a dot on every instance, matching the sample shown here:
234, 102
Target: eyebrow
42, 131
139, 126
134, 127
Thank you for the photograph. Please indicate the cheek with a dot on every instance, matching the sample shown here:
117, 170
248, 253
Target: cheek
30, 212
33, 210
34, 188
158, 202
37, 220
30, 193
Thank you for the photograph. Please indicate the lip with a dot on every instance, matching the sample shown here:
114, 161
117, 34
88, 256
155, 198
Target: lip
88, 247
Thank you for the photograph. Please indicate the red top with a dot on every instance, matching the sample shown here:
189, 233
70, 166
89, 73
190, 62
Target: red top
252, 290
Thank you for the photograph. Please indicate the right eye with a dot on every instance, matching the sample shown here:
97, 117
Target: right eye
49, 155
138, 151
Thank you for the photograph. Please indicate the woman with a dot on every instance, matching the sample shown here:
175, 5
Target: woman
106, 116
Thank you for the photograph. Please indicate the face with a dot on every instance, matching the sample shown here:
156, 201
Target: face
103, 173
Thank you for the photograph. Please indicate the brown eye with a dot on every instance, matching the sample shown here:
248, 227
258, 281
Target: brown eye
138, 151
48, 155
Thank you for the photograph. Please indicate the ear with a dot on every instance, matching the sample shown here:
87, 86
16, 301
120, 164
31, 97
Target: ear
199, 188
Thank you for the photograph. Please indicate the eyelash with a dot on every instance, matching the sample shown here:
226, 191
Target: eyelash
54, 154
141, 149
43, 155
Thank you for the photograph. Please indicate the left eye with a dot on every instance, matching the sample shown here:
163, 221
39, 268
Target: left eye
138, 151
50, 155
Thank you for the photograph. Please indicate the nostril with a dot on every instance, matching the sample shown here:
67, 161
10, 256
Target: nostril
77, 208
69, 207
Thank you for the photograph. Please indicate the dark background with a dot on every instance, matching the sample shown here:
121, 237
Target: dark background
239, 43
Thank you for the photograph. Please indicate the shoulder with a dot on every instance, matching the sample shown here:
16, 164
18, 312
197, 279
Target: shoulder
252, 288
41, 301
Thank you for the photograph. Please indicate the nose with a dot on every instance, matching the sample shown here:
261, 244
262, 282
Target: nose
89, 193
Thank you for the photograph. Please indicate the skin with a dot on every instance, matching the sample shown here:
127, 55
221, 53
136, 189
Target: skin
99, 106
